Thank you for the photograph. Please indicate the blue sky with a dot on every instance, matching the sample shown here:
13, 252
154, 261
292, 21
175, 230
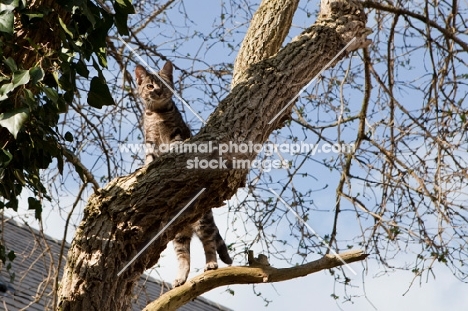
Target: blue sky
374, 285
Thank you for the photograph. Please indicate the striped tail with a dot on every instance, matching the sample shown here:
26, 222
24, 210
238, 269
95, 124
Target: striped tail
222, 249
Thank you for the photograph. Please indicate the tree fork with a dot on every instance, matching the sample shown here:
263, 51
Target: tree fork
130, 210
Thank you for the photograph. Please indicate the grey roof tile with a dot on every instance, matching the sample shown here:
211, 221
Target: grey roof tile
35, 274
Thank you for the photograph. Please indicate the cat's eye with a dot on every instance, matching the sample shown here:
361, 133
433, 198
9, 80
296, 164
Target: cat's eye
150, 86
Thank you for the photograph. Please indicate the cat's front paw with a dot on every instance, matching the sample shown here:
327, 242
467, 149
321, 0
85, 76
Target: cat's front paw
211, 266
178, 282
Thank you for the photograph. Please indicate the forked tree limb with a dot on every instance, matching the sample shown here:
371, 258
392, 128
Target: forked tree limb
246, 275
125, 215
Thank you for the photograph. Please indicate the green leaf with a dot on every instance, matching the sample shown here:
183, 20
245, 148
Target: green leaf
5, 89
13, 121
20, 176
81, 68
62, 106
34, 15
87, 8
13, 204
99, 94
35, 205
10, 62
68, 97
28, 98
51, 93
65, 28
5, 157
67, 79
11, 255
6, 21
124, 6
9, 5
102, 56
58, 100
36, 74
20, 77
463, 118
68, 136
121, 23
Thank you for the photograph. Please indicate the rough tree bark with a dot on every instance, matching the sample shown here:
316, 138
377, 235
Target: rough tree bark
130, 210
267, 31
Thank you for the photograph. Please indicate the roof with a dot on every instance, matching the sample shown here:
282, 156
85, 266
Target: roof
36, 263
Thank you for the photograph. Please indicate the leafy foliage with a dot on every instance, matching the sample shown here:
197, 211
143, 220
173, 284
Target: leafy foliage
43, 47
401, 192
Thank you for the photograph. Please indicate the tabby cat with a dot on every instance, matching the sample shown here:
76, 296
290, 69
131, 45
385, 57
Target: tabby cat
163, 125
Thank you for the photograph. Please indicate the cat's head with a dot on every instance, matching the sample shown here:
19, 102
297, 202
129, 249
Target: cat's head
155, 94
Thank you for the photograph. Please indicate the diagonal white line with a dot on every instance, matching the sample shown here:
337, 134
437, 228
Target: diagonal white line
162, 80
159, 233
313, 79
312, 230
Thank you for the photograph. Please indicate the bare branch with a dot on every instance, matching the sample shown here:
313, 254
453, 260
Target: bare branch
425, 19
247, 275
88, 177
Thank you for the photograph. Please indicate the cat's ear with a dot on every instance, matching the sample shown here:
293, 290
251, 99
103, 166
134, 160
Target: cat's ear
140, 73
167, 70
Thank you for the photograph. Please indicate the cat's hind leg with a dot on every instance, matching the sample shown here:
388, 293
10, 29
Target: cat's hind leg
182, 249
206, 230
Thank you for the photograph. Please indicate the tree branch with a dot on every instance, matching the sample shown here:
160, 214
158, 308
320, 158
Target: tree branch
400, 11
246, 275
126, 214
267, 31
81, 169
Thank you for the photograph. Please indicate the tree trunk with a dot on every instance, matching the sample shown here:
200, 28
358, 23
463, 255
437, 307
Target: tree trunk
130, 210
